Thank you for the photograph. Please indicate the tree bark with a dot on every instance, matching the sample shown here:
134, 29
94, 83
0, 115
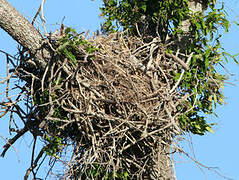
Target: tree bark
20, 29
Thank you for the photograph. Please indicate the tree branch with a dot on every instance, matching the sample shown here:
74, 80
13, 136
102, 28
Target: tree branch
20, 29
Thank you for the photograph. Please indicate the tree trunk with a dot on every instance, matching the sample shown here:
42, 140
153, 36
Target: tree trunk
20, 29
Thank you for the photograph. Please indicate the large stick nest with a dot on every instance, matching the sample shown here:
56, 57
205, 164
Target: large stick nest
118, 105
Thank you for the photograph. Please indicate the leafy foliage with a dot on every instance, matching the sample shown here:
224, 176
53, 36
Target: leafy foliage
98, 172
202, 82
69, 43
54, 146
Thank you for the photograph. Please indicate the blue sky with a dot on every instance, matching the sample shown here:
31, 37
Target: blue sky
214, 150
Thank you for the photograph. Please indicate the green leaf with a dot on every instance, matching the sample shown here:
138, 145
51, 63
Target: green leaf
233, 57
215, 99
143, 7
63, 46
206, 63
209, 129
69, 55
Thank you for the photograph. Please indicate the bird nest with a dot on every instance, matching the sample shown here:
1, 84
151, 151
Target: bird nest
116, 107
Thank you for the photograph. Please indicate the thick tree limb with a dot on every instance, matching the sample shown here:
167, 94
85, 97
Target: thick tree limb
20, 29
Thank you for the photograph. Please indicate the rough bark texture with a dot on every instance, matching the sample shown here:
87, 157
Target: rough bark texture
20, 29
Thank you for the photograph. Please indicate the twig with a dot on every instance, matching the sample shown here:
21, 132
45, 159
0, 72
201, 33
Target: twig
152, 49
44, 76
40, 10
12, 147
29, 170
8, 54
181, 75
185, 66
13, 140
173, 120
137, 29
202, 165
